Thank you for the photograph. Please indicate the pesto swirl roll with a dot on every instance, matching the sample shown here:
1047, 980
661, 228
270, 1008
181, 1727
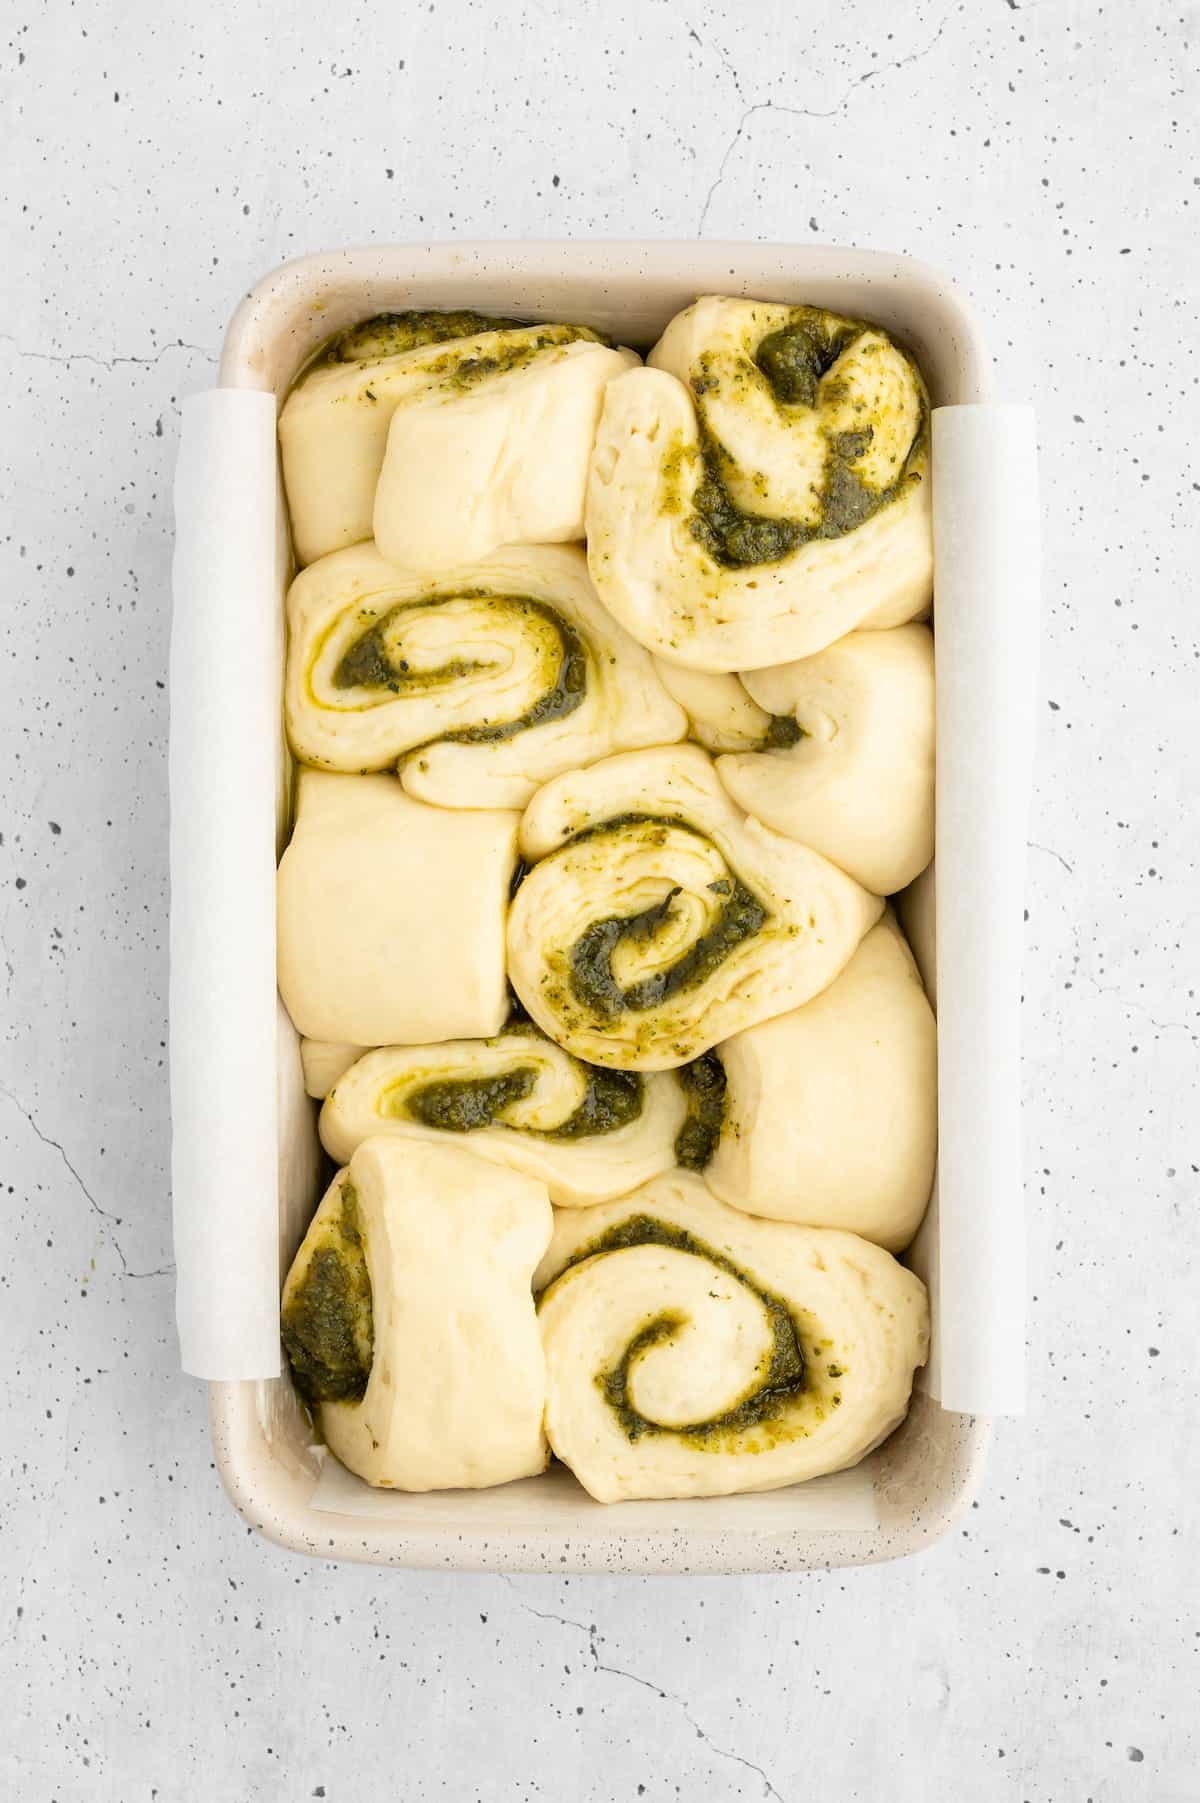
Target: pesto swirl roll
856, 779
408, 1320
443, 435
763, 487
657, 919
693, 1351
480, 683
519, 1100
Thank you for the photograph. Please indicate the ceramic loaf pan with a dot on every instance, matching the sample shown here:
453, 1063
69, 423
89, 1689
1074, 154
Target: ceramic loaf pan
928, 1471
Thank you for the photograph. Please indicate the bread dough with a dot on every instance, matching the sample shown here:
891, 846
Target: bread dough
483, 683
858, 786
692, 1351
720, 712
657, 919
520, 1101
391, 915
323, 1062
831, 1110
502, 461
456, 1384
491, 387
762, 488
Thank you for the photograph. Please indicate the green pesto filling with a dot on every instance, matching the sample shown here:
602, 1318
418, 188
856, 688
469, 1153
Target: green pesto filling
703, 1083
465, 372
391, 334
368, 663
780, 1383
783, 730
592, 980
611, 1100
326, 1323
793, 360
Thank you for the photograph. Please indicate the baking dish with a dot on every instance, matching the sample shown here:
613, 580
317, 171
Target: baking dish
927, 1472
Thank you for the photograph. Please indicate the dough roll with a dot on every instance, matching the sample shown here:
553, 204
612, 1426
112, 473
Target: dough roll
692, 1351
482, 683
856, 783
722, 716
391, 915
588, 1134
443, 436
657, 919
763, 487
830, 1111
409, 1321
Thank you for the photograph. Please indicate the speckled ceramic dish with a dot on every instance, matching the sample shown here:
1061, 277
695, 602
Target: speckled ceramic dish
927, 1472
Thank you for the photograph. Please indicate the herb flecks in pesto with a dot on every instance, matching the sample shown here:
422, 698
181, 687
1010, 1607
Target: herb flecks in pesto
326, 1323
780, 1381
794, 361
371, 662
783, 731
392, 334
592, 979
464, 1104
611, 1100
703, 1082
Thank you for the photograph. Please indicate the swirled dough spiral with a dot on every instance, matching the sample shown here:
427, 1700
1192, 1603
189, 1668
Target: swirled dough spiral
444, 435
483, 682
409, 1320
692, 1351
519, 1100
857, 782
391, 915
763, 488
657, 919
830, 1111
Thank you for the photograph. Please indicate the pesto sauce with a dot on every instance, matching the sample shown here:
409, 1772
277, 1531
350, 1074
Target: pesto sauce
326, 1324
611, 1100
703, 1083
367, 663
783, 730
391, 334
465, 372
793, 360
781, 1383
592, 980
464, 1104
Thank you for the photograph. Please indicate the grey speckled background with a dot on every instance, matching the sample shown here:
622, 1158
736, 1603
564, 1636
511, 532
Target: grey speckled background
161, 158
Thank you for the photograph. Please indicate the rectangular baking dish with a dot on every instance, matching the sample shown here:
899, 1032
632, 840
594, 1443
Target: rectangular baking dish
929, 1469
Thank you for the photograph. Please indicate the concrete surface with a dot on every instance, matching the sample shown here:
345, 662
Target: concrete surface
160, 158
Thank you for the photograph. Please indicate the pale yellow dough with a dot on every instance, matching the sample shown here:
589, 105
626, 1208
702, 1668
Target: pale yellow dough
391, 914
831, 1110
477, 649
457, 1383
371, 1098
666, 586
654, 830
324, 1061
441, 457
860, 1319
858, 786
721, 713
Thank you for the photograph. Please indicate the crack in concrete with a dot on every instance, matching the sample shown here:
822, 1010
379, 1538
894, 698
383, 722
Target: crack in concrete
66, 358
1051, 853
803, 112
105, 1214
1130, 1007
666, 1696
